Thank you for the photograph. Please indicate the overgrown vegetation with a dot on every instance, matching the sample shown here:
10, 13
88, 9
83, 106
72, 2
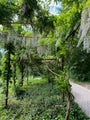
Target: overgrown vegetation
37, 101
39, 43
80, 65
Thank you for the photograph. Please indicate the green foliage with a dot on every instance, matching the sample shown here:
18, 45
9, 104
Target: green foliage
0, 83
8, 9
38, 103
80, 64
87, 4
76, 113
21, 65
18, 91
0, 62
45, 23
63, 83
39, 98
5, 68
30, 7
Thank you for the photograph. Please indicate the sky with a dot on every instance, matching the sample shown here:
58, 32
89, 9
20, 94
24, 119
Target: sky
54, 7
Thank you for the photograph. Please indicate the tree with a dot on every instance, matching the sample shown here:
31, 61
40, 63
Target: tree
6, 68
40, 34
8, 9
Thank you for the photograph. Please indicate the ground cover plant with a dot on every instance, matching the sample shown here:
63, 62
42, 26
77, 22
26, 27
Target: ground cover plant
34, 41
37, 101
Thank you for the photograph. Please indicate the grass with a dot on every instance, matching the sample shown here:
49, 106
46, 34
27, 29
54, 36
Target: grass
37, 102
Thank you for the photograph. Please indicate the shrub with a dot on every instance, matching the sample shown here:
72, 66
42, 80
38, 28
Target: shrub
76, 113
19, 91
80, 65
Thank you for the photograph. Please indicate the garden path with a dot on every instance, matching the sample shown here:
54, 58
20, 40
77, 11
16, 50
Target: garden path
82, 97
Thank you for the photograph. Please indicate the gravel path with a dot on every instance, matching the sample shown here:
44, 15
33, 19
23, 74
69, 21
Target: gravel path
82, 97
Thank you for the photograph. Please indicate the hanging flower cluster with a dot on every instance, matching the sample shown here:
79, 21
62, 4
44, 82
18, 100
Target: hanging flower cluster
85, 29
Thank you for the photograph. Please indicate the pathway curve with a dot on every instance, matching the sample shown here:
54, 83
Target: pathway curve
82, 97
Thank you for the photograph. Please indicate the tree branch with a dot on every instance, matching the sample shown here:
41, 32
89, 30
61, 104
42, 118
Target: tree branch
51, 70
72, 33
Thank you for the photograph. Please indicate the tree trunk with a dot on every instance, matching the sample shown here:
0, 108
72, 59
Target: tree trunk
6, 101
62, 63
8, 77
68, 106
22, 76
63, 96
14, 77
27, 75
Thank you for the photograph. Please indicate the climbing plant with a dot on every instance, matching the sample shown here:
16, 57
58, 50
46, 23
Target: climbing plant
32, 38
